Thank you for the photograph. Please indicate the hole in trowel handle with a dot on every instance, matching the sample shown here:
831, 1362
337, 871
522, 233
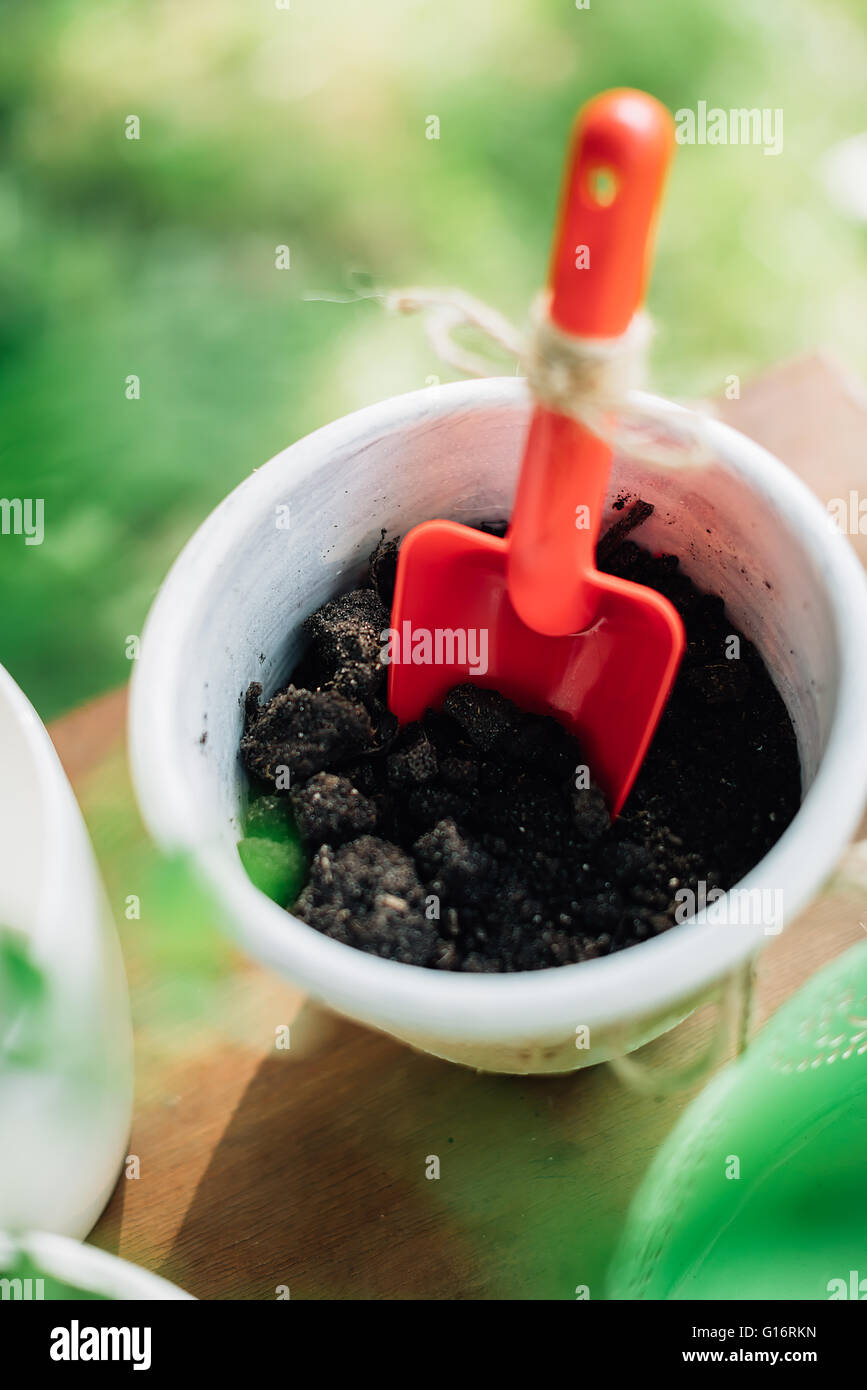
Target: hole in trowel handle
602, 185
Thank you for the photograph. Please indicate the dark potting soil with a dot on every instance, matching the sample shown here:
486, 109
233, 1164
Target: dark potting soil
463, 842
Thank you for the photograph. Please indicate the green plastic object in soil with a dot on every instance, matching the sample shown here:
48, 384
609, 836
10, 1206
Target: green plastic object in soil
271, 850
760, 1190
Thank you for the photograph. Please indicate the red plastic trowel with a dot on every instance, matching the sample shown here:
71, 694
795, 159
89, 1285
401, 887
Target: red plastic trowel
559, 637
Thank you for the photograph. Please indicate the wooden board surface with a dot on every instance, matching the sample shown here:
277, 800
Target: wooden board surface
261, 1170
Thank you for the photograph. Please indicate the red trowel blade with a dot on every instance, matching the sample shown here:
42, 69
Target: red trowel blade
608, 685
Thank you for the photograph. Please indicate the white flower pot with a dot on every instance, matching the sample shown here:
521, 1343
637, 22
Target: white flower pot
66, 1064
230, 612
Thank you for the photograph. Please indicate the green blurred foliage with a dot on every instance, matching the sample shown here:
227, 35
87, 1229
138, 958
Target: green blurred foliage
263, 126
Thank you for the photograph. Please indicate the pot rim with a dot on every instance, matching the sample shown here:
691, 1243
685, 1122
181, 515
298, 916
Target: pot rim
642, 980
89, 1268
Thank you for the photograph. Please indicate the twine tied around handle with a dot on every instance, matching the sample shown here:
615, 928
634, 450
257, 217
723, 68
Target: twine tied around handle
589, 379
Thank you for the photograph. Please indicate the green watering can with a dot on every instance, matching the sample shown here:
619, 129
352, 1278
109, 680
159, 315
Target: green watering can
761, 1189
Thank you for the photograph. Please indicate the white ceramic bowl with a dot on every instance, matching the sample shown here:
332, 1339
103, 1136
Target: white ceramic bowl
65, 1110
230, 612
87, 1268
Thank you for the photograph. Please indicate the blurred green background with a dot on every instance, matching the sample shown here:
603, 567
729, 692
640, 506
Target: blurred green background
263, 126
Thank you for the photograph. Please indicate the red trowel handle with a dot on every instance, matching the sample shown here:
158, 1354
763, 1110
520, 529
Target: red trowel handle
622, 145
621, 148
